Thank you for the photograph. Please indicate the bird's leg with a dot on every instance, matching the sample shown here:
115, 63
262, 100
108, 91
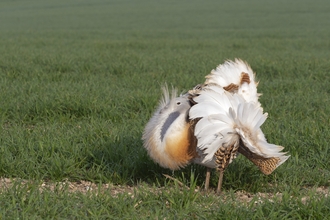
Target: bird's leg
221, 171
224, 155
207, 178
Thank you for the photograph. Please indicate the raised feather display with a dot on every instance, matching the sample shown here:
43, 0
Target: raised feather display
211, 123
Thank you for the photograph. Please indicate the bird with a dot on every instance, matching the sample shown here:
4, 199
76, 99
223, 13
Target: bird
169, 135
210, 124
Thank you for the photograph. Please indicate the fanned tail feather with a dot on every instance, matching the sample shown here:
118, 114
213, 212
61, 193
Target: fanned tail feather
214, 129
226, 118
253, 142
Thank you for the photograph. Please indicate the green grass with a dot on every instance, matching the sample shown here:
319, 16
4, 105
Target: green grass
79, 80
28, 202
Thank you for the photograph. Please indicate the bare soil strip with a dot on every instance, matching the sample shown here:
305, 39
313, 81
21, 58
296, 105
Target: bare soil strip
89, 187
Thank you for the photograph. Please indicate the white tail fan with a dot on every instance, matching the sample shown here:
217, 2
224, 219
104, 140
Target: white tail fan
226, 118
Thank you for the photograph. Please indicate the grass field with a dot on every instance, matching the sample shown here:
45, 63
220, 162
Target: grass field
80, 79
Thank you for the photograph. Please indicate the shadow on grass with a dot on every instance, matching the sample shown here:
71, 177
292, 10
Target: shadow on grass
125, 161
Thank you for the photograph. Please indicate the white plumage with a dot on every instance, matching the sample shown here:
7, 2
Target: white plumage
237, 76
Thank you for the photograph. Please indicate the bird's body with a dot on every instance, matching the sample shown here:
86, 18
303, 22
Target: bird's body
211, 123
169, 137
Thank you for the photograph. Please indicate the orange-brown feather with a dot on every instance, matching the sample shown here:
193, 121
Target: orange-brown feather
181, 147
231, 87
245, 78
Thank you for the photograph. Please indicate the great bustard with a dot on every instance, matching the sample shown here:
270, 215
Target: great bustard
211, 123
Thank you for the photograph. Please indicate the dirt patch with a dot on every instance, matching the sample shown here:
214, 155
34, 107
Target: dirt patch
260, 197
114, 190
72, 187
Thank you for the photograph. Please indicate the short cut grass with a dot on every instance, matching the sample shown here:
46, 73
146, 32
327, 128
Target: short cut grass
79, 80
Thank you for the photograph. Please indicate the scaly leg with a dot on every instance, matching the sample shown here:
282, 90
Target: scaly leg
220, 181
207, 178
